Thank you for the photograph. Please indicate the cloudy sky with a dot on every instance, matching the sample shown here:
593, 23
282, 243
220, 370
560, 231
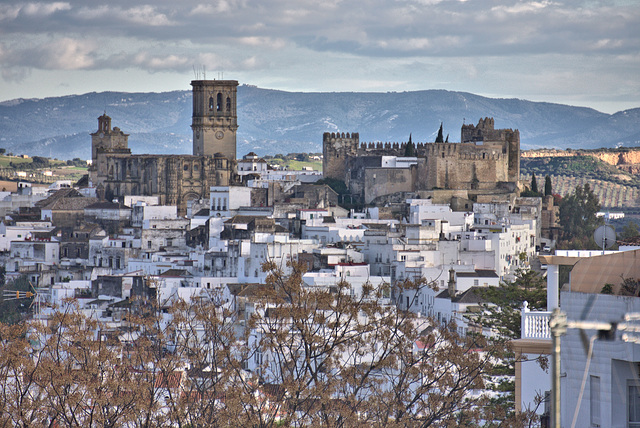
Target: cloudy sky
574, 52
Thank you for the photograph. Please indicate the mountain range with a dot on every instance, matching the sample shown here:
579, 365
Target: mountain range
272, 121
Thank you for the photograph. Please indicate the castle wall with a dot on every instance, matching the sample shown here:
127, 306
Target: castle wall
466, 166
385, 181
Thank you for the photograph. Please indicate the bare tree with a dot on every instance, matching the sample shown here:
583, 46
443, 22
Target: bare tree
294, 355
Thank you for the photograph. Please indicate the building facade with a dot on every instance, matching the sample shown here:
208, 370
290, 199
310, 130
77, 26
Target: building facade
174, 179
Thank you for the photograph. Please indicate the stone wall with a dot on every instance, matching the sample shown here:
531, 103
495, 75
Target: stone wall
385, 181
176, 179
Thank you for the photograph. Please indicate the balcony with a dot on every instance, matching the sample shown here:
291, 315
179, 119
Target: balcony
534, 325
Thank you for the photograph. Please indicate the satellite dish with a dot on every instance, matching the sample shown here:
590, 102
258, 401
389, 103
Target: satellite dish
605, 237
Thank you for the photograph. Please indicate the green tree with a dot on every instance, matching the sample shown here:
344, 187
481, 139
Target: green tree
534, 184
40, 162
504, 303
410, 148
440, 137
630, 231
577, 217
547, 186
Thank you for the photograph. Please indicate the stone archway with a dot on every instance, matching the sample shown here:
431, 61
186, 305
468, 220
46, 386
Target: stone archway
190, 200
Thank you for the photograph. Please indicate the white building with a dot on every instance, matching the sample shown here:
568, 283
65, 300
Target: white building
225, 200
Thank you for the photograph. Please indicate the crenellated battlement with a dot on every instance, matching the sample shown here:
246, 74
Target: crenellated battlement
484, 158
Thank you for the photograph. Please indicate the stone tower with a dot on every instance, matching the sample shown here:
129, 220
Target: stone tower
337, 148
215, 119
106, 140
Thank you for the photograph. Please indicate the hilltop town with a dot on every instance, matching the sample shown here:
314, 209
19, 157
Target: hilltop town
259, 279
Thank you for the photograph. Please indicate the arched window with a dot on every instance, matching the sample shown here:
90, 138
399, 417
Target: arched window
219, 102
210, 103
228, 104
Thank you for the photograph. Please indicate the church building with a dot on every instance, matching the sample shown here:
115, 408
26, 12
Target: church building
175, 179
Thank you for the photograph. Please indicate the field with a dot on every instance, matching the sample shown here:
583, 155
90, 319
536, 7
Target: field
610, 194
294, 165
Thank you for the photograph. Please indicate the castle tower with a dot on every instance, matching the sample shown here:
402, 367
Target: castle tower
336, 150
215, 119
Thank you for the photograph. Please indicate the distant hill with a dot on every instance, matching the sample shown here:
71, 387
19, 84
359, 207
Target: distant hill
287, 122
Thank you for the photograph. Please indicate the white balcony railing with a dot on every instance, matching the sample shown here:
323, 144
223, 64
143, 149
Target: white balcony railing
534, 325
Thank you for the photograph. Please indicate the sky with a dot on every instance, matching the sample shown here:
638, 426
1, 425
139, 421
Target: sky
582, 53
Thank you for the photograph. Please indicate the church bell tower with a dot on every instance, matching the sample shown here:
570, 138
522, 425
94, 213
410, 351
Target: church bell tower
215, 119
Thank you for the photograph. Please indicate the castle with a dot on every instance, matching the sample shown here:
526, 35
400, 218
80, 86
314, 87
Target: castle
175, 179
486, 161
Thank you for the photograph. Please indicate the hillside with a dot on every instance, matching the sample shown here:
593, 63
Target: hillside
274, 121
615, 187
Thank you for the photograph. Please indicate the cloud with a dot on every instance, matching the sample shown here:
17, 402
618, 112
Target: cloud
13, 11
61, 54
282, 35
263, 42
145, 15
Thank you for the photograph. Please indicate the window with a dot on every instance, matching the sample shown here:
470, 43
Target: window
634, 404
475, 282
219, 102
228, 104
594, 400
149, 244
210, 103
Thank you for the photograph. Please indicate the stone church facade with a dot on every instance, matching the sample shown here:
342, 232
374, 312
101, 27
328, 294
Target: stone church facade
175, 179
487, 160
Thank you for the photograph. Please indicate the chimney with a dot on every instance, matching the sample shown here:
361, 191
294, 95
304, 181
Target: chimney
452, 283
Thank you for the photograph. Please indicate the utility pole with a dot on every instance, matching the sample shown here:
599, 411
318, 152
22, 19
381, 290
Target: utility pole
559, 325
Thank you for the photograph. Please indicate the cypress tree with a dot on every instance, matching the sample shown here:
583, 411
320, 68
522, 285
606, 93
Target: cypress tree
440, 138
409, 149
534, 184
547, 186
